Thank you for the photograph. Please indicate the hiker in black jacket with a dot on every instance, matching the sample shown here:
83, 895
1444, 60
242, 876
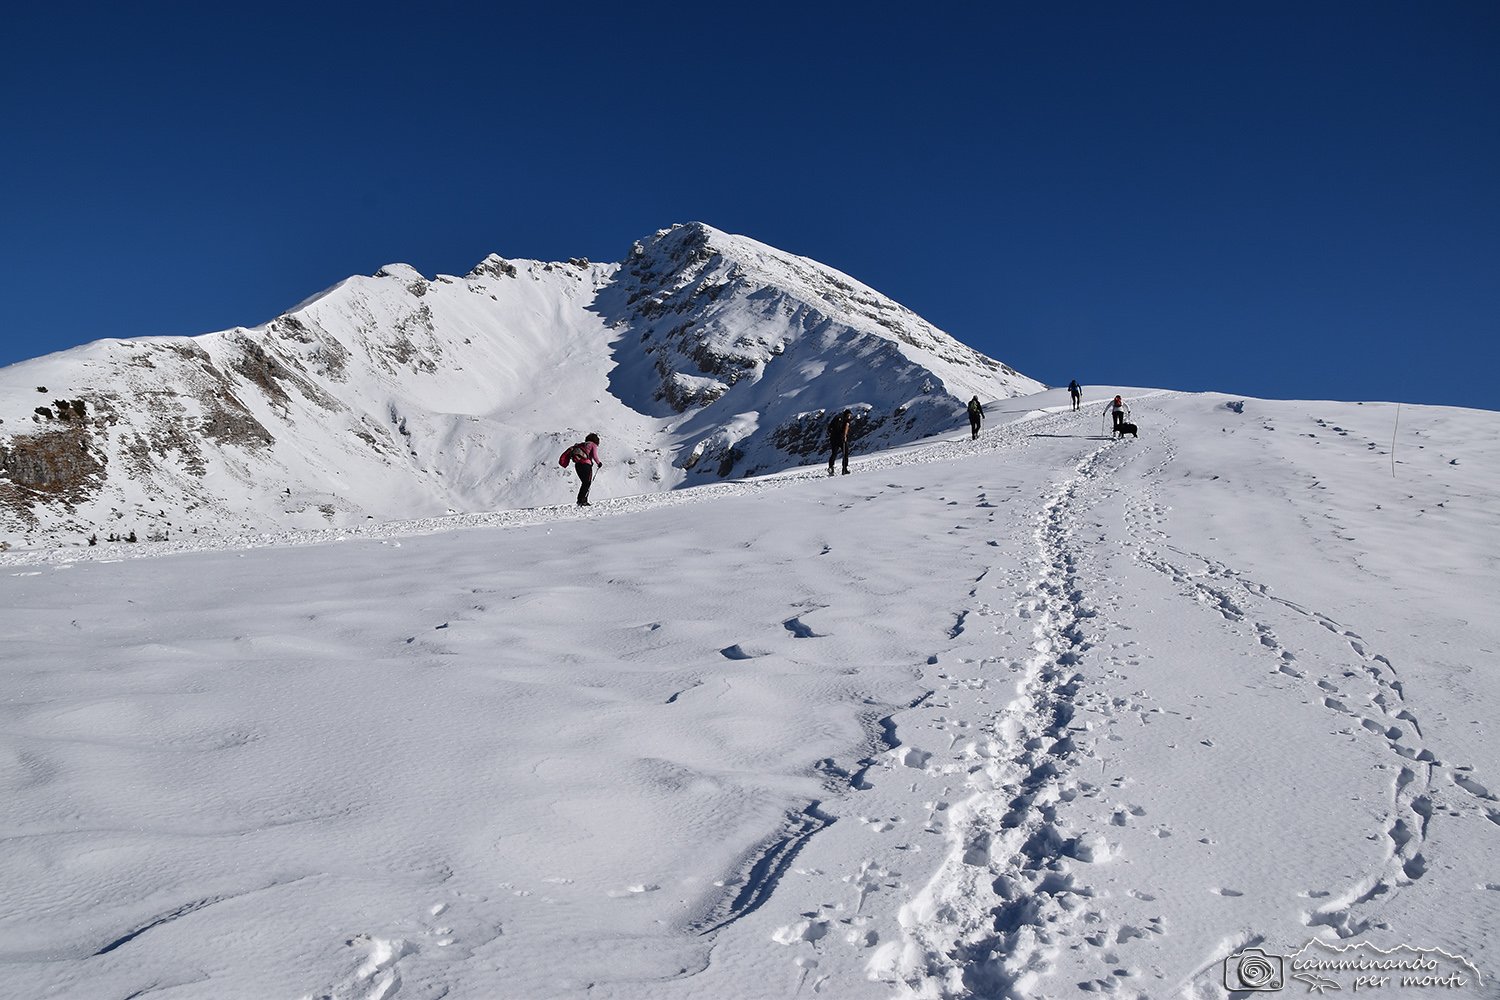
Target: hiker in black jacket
838, 440
976, 414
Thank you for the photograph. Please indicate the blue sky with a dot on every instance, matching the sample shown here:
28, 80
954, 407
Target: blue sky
1278, 199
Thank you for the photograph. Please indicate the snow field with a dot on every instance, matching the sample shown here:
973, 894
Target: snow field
1045, 715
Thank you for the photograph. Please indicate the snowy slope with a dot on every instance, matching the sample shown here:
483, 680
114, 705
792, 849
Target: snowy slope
703, 356
1045, 715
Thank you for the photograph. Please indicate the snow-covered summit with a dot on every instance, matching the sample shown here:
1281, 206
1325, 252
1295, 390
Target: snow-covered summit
690, 268
702, 355
717, 322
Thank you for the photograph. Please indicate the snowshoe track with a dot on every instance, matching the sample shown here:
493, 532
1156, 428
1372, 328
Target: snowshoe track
1005, 899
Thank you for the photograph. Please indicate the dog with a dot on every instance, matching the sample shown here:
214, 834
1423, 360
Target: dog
1126, 428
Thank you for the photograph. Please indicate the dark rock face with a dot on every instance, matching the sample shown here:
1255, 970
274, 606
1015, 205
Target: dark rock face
806, 436
55, 461
259, 363
494, 267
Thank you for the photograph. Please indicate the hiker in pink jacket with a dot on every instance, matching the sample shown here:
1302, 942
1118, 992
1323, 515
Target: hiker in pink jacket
584, 456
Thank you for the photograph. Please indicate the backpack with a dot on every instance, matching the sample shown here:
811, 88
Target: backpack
974, 408
578, 453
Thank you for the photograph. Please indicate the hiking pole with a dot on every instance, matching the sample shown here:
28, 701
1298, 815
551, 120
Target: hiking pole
1393, 440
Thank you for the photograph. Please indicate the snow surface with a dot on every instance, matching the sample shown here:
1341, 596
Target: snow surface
1040, 715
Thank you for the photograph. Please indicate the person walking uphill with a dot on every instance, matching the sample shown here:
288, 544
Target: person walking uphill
976, 414
838, 440
1076, 391
584, 456
1116, 407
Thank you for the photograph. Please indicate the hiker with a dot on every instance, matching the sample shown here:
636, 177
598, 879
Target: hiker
584, 456
1076, 391
976, 414
1116, 408
838, 440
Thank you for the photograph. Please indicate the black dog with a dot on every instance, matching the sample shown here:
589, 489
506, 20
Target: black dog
1124, 429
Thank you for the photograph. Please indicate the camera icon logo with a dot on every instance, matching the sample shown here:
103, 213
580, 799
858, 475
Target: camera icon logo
1252, 970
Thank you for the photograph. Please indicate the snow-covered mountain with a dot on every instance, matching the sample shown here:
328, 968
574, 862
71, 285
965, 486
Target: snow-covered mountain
701, 356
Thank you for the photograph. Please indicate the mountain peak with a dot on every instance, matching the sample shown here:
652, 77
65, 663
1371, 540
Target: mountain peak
402, 272
493, 266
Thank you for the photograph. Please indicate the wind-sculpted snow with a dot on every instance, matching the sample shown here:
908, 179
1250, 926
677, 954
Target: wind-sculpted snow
703, 356
1042, 715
